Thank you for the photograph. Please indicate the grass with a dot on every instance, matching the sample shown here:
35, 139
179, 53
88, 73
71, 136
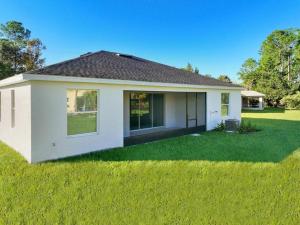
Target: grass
216, 178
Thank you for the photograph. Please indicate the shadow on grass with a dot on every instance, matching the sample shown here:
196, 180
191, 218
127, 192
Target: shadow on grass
276, 140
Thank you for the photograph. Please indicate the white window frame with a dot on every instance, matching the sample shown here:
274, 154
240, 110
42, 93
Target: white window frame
228, 105
85, 112
13, 108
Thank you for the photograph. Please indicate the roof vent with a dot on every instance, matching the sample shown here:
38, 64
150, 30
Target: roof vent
125, 56
130, 57
85, 54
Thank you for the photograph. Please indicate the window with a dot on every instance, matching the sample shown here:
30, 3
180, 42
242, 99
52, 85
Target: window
82, 110
13, 110
225, 104
146, 110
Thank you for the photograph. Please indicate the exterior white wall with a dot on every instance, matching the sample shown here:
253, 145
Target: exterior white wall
214, 107
126, 113
41, 130
175, 110
170, 109
49, 124
19, 136
201, 111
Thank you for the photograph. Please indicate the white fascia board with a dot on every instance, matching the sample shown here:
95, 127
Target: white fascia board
37, 77
12, 80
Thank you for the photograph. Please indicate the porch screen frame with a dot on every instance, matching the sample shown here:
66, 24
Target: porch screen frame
196, 119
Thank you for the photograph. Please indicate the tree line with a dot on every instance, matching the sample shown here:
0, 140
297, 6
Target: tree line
277, 71
190, 68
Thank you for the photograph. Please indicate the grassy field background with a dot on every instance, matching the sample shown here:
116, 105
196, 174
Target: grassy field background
216, 178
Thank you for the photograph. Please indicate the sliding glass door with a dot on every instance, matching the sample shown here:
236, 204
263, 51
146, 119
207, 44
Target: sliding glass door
134, 111
146, 110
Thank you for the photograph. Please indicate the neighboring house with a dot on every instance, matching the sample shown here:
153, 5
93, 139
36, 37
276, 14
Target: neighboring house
102, 100
252, 100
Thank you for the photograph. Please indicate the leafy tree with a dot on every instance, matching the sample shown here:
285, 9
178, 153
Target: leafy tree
280, 53
291, 101
15, 31
189, 68
225, 78
273, 86
5, 69
32, 55
277, 71
249, 73
18, 53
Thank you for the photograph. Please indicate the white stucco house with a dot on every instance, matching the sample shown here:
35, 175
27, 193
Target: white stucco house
104, 100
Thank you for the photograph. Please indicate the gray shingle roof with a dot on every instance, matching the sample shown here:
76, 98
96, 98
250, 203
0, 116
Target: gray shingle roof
110, 65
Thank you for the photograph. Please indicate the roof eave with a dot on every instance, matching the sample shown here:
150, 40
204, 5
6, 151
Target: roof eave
19, 78
253, 96
55, 78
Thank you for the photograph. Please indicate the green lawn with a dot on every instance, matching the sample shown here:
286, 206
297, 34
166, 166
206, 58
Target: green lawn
216, 178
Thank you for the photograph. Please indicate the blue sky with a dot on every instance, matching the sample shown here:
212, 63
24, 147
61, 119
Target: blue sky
215, 36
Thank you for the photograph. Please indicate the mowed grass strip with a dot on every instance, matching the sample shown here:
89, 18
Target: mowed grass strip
216, 178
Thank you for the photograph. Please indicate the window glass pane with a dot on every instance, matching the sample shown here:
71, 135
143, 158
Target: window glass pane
158, 110
225, 98
81, 100
80, 123
134, 111
82, 111
224, 110
145, 110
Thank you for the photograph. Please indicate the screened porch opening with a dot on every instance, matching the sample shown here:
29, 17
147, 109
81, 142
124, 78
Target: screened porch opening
151, 116
252, 100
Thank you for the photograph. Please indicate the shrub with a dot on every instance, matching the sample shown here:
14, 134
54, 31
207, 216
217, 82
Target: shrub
291, 101
220, 126
246, 127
